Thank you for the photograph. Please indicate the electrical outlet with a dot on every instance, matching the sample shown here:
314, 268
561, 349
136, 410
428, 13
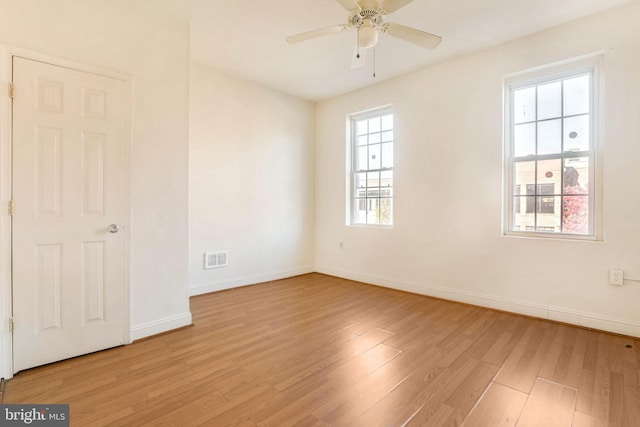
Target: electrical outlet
616, 277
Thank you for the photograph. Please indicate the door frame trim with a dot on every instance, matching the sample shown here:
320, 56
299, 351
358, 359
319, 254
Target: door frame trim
7, 53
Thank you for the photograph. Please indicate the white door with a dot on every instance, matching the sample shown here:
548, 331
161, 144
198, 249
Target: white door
68, 188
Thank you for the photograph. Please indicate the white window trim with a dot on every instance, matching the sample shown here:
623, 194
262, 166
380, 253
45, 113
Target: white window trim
351, 135
589, 63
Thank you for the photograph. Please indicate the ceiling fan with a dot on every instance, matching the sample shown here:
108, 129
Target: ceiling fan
367, 17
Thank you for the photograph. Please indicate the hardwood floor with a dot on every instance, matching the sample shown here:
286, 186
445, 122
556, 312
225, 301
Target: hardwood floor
320, 351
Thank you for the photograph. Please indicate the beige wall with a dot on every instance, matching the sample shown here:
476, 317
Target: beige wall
251, 189
132, 37
449, 163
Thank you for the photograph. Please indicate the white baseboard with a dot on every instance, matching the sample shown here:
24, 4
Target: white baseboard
560, 314
160, 325
205, 288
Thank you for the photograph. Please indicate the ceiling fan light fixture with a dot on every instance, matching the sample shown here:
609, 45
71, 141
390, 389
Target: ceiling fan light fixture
367, 36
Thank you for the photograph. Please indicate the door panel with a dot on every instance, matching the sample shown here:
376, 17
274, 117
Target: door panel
68, 187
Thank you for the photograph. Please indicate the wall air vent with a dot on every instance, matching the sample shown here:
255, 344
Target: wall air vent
216, 259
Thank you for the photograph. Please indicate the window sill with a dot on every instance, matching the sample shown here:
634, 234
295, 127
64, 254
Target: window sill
387, 227
553, 236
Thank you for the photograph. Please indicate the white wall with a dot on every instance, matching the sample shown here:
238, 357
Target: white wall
251, 188
449, 163
135, 38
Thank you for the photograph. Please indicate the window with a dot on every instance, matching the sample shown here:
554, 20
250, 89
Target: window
550, 123
372, 168
547, 204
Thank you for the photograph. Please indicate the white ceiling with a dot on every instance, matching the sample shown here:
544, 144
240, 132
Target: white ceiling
247, 37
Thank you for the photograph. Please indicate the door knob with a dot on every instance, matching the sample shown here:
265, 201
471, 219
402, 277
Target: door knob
113, 228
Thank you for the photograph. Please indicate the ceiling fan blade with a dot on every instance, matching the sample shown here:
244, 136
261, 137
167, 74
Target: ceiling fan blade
393, 5
369, 4
349, 4
412, 35
317, 33
357, 63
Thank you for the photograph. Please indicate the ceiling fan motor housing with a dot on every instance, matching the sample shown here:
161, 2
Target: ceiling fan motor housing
360, 17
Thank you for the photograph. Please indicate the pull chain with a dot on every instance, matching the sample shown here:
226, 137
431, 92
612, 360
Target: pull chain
358, 43
374, 62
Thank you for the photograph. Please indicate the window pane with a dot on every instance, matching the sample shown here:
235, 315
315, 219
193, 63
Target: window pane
372, 211
374, 156
576, 176
575, 218
374, 125
576, 133
547, 204
576, 95
361, 127
387, 155
524, 105
525, 220
361, 183
517, 201
360, 211
386, 180
524, 140
548, 217
549, 137
549, 176
387, 136
524, 174
361, 158
517, 204
373, 179
549, 101
531, 201
374, 138
387, 122
386, 213
362, 140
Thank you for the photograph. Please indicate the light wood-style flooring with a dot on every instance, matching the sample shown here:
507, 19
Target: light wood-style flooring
316, 350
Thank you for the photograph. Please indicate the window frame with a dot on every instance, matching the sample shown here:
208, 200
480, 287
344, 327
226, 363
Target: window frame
352, 145
590, 64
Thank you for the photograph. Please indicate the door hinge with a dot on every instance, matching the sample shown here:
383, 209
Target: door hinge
11, 207
12, 88
11, 324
